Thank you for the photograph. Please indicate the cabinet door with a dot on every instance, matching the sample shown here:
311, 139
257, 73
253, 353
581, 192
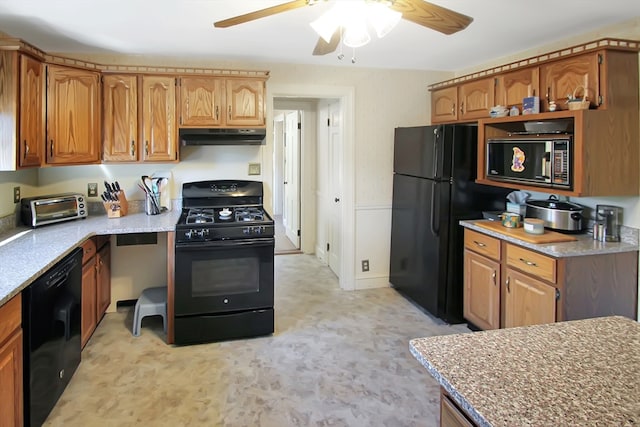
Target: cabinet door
158, 119
119, 118
476, 99
88, 310
32, 84
481, 291
11, 404
201, 101
450, 415
560, 78
513, 86
443, 105
103, 296
245, 102
73, 116
528, 301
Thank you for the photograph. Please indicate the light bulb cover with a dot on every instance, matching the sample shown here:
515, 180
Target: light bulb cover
382, 18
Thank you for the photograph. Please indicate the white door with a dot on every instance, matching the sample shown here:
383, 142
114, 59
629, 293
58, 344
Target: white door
291, 212
334, 216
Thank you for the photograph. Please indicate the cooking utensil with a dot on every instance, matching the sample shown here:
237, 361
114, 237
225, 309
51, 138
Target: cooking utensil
557, 215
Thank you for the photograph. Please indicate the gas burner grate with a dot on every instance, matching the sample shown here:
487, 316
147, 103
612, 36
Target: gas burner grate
200, 216
249, 214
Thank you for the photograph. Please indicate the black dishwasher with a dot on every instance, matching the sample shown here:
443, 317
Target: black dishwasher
51, 336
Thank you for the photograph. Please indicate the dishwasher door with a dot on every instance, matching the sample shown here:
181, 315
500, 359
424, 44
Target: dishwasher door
51, 336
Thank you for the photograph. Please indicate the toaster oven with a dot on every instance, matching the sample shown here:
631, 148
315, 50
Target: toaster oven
42, 210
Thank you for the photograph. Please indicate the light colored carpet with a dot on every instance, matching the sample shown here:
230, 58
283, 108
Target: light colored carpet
336, 359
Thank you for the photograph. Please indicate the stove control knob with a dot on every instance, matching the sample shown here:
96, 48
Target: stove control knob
226, 300
188, 234
246, 230
258, 230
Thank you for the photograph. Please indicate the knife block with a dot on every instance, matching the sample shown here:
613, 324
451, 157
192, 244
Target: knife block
117, 209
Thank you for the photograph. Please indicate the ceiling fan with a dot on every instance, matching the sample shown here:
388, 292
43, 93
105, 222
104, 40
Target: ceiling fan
420, 12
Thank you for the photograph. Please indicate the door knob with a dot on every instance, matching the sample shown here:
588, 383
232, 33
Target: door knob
336, 200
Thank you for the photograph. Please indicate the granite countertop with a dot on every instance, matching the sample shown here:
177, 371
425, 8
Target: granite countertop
585, 245
576, 373
33, 251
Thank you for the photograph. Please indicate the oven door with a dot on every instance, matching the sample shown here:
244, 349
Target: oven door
223, 276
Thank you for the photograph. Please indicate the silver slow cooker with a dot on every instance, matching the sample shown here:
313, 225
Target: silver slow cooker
557, 215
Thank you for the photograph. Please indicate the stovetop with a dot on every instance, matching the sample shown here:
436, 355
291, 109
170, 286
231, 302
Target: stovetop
223, 210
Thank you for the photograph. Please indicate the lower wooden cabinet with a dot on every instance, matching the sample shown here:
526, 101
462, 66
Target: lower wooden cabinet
481, 290
11, 403
508, 285
528, 301
96, 285
451, 415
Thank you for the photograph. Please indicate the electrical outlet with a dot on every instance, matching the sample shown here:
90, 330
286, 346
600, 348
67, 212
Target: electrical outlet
365, 265
254, 168
16, 194
92, 189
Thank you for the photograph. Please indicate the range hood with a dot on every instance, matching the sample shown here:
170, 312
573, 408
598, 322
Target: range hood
244, 136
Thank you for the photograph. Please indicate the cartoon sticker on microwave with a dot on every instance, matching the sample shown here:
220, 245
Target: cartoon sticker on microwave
517, 163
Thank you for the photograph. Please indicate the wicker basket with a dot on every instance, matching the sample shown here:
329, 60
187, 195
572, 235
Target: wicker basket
578, 104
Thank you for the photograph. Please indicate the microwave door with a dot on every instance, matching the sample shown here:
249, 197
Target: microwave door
520, 161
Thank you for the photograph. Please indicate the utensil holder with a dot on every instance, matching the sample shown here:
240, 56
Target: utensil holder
578, 104
119, 208
152, 203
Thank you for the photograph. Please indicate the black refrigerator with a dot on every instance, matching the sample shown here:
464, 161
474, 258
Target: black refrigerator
433, 189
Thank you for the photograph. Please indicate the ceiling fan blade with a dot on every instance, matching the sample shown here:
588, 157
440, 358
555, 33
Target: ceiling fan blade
322, 47
262, 13
432, 16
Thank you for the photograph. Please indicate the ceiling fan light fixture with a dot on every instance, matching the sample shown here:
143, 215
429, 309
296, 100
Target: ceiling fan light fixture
326, 24
356, 34
382, 18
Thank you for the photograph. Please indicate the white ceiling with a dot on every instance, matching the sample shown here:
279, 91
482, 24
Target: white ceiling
185, 28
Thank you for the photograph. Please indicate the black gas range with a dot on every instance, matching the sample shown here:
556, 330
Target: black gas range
224, 272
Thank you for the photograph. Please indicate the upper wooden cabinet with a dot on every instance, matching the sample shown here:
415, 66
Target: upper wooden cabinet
159, 130
201, 101
443, 105
513, 86
559, 79
73, 116
476, 99
22, 97
215, 102
120, 137
138, 118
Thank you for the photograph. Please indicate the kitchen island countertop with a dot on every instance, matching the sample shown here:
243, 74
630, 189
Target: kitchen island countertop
30, 252
577, 373
584, 245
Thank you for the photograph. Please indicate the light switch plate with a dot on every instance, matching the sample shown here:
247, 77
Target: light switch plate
92, 189
254, 169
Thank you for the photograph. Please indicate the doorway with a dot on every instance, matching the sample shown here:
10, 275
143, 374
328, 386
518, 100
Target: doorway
323, 220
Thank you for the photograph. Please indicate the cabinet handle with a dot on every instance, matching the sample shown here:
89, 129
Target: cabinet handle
51, 149
548, 92
26, 148
453, 108
462, 108
529, 263
217, 112
146, 148
229, 115
133, 148
493, 276
482, 245
507, 283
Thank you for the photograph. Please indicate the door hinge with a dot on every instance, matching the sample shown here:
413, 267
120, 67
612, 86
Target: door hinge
299, 125
600, 100
557, 294
600, 59
327, 247
328, 122
298, 233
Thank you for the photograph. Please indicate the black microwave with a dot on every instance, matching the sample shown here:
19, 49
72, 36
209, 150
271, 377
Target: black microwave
545, 161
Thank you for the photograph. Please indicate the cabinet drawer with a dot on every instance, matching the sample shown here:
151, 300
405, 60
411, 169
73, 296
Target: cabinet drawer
88, 249
482, 244
531, 262
10, 317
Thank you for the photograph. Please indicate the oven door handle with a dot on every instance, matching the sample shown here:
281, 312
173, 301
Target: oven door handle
267, 241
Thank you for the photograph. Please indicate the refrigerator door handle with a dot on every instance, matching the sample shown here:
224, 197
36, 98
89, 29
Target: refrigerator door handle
434, 227
436, 137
